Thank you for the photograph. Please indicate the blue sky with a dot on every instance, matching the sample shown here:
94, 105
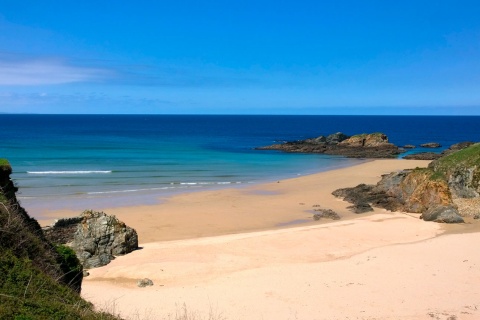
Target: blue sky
243, 57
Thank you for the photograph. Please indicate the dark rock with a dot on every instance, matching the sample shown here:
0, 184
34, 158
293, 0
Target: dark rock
325, 213
409, 146
145, 282
431, 145
62, 230
476, 216
407, 190
361, 207
457, 147
336, 138
445, 214
423, 156
374, 145
461, 145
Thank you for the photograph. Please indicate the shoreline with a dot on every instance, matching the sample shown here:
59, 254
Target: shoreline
42, 207
273, 205
211, 254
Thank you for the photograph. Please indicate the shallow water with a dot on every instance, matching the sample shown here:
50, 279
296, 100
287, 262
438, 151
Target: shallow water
91, 161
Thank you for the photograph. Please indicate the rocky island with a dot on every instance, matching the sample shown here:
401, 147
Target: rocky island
372, 145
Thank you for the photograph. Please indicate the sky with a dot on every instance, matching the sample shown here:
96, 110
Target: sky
240, 57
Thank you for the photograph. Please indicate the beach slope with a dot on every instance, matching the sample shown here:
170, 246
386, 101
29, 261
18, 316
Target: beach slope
255, 253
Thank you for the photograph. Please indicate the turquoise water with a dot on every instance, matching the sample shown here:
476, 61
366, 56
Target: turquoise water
100, 161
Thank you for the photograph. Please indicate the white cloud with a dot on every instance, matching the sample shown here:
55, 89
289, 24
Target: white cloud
47, 72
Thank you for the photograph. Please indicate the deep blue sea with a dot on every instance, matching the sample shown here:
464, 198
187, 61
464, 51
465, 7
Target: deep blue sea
90, 161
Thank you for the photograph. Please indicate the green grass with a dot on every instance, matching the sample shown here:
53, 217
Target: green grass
37, 279
465, 158
28, 293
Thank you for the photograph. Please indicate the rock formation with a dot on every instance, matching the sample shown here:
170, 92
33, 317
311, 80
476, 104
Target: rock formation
430, 145
95, 237
374, 145
461, 169
431, 191
434, 155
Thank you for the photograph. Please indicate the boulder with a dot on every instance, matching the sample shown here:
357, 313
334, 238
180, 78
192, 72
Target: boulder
361, 207
95, 237
409, 146
325, 213
145, 282
444, 214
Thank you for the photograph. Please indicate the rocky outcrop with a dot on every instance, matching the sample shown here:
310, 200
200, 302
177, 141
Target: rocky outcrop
431, 145
423, 156
430, 191
434, 155
415, 191
374, 145
461, 170
95, 237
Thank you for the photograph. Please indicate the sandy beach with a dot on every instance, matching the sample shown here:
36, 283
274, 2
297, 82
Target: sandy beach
256, 253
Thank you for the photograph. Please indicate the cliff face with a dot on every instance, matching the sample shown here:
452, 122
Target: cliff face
431, 191
415, 190
461, 170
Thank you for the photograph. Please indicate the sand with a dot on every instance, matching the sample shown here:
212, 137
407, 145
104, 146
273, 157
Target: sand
256, 253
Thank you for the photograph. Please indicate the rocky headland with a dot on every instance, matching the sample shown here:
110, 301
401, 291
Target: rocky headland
372, 145
446, 191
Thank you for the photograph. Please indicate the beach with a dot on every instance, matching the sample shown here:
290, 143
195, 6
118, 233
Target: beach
256, 253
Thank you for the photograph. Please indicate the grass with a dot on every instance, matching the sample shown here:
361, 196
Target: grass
37, 279
26, 292
4, 164
464, 158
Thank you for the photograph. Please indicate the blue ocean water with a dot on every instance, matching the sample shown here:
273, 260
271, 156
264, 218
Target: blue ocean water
82, 161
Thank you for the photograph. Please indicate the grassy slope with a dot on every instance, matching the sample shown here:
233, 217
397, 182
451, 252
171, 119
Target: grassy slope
30, 285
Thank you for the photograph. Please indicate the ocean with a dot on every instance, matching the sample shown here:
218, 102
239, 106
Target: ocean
98, 161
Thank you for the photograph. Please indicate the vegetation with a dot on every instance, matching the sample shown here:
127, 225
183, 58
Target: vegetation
465, 158
37, 279
26, 292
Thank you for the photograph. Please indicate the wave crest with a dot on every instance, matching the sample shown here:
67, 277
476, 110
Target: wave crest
71, 172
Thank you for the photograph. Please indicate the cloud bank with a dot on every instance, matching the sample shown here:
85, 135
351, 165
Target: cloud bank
47, 72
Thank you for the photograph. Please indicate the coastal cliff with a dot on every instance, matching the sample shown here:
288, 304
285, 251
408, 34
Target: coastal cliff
39, 280
372, 145
443, 192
